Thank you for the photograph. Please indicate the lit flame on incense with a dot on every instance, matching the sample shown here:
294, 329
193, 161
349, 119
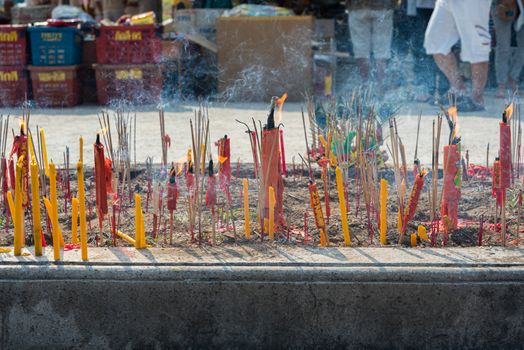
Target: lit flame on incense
279, 103
508, 112
22, 126
456, 126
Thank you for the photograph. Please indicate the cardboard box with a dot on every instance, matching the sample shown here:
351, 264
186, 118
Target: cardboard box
31, 14
261, 57
197, 21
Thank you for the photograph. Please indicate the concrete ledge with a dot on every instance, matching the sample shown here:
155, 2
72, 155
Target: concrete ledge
264, 297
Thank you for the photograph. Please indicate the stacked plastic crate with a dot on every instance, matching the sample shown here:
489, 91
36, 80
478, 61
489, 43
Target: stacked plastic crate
13, 61
56, 55
128, 66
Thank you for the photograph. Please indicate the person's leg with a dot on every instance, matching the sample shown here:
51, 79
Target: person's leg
449, 66
363, 68
360, 31
441, 34
381, 35
518, 58
479, 77
472, 21
502, 51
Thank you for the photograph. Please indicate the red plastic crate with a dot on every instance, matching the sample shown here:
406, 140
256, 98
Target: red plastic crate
13, 86
55, 86
13, 45
128, 45
136, 84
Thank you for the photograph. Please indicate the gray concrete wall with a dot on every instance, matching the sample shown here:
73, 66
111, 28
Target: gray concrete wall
242, 306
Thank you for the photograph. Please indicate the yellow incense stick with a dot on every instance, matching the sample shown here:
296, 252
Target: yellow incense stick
30, 146
82, 209
74, 220
81, 150
342, 205
35, 206
125, 237
54, 229
18, 216
383, 210
54, 199
44, 152
246, 209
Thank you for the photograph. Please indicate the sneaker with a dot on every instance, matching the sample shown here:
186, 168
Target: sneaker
465, 104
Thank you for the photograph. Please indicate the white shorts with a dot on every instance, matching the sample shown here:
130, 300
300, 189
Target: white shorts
467, 20
371, 31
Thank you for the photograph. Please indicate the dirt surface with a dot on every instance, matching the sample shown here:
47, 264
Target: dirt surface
476, 203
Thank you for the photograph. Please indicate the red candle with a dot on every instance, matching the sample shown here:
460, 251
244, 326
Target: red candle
414, 197
505, 155
172, 192
100, 178
224, 155
271, 173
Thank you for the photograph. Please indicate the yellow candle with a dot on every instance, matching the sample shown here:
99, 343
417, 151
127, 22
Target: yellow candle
74, 220
18, 216
35, 206
44, 152
82, 207
140, 240
413, 239
342, 205
422, 233
54, 229
81, 141
272, 202
383, 210
54, 200
137, 220
246, 209
142, 231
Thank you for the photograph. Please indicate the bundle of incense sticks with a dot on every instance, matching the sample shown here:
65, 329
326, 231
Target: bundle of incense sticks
397, 171
200, 143
164, 138
434, 178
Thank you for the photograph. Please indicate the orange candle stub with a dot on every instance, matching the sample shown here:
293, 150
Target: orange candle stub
450, 189
413, 239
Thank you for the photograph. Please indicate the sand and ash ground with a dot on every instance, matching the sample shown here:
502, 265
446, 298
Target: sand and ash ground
476, 202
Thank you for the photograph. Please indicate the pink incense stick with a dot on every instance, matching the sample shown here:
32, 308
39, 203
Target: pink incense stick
481, 230
238, 168
254, 139
283, 153
305, 226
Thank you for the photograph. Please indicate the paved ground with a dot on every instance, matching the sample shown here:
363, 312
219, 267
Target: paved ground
265, 254
64, 126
